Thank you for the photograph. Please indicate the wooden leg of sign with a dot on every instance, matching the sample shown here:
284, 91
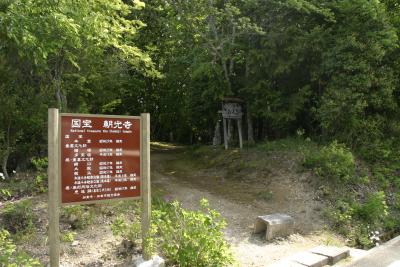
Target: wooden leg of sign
54, 190
145, 181
239, 125
225, 134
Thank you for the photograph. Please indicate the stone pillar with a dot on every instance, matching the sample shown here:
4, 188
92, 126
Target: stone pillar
217, 134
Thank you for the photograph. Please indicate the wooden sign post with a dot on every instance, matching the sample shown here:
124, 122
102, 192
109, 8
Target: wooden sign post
94, 159
232, 110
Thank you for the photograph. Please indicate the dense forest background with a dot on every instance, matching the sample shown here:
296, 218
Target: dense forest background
328, 69
325, 72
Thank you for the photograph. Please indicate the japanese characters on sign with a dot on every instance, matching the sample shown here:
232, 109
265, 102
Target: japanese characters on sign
231, 111
100, 158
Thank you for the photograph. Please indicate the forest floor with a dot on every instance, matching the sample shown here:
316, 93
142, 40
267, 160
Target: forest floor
241, 185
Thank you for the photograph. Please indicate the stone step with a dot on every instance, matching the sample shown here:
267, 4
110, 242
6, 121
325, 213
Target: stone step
334, 254
317, 257
310, 259
286, 263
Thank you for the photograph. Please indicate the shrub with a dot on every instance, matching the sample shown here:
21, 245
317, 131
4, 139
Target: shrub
191, 238
10, 257
265, 195
130, 232
185, 238
78, 216
334, 162
361, 223
68, 237
5, 194
18, 217
374, 210
40, 181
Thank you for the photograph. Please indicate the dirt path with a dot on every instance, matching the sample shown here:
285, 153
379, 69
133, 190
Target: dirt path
249, 249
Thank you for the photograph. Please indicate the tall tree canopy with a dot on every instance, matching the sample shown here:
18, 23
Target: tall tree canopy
328, 67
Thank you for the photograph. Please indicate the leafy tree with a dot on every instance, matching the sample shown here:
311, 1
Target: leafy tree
55, 35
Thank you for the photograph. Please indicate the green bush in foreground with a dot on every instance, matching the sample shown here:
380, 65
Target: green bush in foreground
191, 238
10, 257
334, 161
183, 237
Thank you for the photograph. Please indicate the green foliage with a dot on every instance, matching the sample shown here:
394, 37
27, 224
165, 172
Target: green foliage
68, 237
374, 210
360, 222
191, 238
327, 70
397, 201
5, 194
24, 186
10, 257
40, 180
185, 238
18, 218
78, 216
265, 195
129, 231
335, 162
298, 144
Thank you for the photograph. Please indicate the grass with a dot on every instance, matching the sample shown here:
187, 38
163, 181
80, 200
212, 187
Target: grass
265, 195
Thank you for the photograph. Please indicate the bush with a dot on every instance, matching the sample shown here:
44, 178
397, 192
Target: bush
130, 232
40, 181
191, 238
5, 194
361, 223
18, 217
334, 162
78, 216
184, 238
68, 237
374, 210
10, 257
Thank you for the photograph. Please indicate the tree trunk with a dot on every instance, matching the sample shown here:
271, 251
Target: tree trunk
250, 130
217, 134
6, 153
4, 163
61, 98
229, 135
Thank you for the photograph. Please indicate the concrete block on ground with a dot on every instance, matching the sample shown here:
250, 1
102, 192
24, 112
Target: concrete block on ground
274, 225
155, 261
334, 254
310, 259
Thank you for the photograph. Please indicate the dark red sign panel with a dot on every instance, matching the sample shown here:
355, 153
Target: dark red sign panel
100, 157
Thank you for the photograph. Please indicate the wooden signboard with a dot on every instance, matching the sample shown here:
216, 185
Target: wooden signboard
100, 158
97, 158
232, 111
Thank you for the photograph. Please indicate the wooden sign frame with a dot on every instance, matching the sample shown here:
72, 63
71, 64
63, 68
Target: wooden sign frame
54, 178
